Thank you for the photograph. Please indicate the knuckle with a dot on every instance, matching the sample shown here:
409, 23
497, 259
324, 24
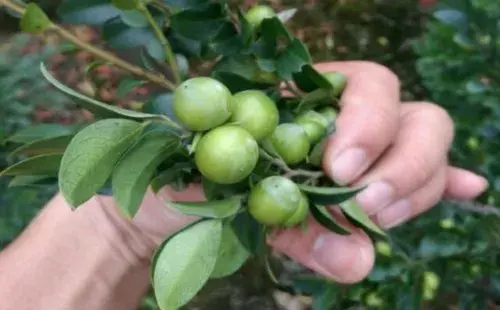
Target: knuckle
382, 72
418, 169
431, 111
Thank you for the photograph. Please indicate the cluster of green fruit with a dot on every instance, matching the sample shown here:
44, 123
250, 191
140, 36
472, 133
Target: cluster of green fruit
233, 127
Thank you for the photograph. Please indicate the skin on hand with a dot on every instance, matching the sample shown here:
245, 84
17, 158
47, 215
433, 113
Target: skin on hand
399, 149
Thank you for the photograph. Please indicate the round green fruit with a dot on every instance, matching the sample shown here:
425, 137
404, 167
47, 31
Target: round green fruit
338, 81
277, 201
314, 124
202, 103
291, 143
329, 113
226, 154
257, 14
256, 112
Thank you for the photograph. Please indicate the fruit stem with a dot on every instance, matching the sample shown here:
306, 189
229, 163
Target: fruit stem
164, 42
289, 172
97, 52
291, 88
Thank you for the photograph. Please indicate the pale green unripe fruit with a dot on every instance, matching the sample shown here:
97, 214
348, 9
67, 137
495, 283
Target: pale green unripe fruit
314, 124
291, 143
277, 201
226, 154
256, 14
202, 103
256, 112
338, 81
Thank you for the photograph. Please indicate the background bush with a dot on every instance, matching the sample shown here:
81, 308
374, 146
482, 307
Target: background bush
444, 259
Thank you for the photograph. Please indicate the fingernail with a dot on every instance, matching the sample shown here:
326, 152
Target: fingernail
395, 214
339, 256
375, 197
347, 165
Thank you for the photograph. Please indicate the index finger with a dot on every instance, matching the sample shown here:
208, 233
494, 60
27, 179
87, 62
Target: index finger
368, 120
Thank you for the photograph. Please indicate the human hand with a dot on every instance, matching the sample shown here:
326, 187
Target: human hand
400, 149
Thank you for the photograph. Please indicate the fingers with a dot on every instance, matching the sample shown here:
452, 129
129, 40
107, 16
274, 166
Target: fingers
418, 152
368, 120
346, 259
464, 185
415, 204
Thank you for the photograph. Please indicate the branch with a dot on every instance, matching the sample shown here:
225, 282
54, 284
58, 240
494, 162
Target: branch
102, 54
164, 42
289, 172
476, 207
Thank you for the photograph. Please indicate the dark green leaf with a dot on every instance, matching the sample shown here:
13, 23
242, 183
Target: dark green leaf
185, 263
46, 164
214, 191
89, 12
310, 79
292, 59
326, 298
126, 4
232, 254
218, 209
120, 35
28, 180
100, 108
249, 232
200, 22
329, 195
39, 132
50, 145
183, 4
134, 18
323, 216
161, 104
452, 17
228, 40
312, 100
34, 20
309, 284
92, 155
442, 245
170, 175
354, 211
131, 177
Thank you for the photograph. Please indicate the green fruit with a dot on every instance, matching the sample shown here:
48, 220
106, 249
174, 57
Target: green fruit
290, 142
338, 81
202, 103
314, 124
256, 112
277, 201
257, 14
329, 113
226, 154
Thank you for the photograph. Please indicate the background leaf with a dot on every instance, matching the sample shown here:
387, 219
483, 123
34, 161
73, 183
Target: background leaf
40, 131
133, 173
50, 145
46, 164
218, 209
185, 263
92, 155
88, 12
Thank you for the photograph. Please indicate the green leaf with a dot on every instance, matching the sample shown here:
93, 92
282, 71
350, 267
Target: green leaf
99, 108
92, 155
89, 12
161, 104
28, 180
323, 216
34, 20
232, 254
46, 164
121, 36
228, 40
217, 209
133, 173
39, 132
452, 17
326, 299
314, 99
127, 85
126, 4
185, 263
292, 59
50, 145
310, 79
183, 4
329, 195
250, 233
354, 211
134, 18
200, 22
170, 175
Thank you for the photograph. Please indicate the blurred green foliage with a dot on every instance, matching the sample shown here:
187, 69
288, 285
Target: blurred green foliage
444, 259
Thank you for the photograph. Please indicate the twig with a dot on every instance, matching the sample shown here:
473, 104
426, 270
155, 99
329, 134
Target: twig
292, 89
289, 172
162, 5
476, 207
102, 54
164, 42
